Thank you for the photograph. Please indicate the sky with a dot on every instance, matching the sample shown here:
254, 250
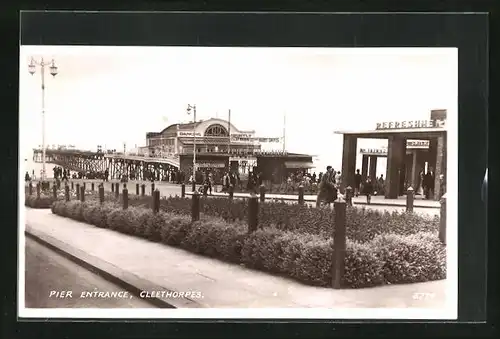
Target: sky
111, 95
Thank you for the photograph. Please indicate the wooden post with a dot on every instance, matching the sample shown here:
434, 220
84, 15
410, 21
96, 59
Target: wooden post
83, 185
183, 190
442, 220
66, 192
117, 190
253, 213
136, 189
30, 186
38, 189
301, 195
156, 201
82, 193
101, 194
152, 188
77, 191
72, 186
125, 198
143, 189
112, 187
231, 192
92, 187
195, 207
348, 195
339, 243
262, 190
410, 198
54, 191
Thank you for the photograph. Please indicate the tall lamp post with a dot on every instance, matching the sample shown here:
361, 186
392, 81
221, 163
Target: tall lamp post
53, 71
189, 108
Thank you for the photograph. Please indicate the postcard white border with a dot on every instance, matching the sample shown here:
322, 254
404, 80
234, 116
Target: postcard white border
449, 312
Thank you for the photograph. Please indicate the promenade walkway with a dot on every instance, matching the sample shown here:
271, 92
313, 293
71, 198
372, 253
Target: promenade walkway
153, 266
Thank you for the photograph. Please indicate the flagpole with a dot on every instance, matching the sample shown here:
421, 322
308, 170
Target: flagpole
229, 132
284, 132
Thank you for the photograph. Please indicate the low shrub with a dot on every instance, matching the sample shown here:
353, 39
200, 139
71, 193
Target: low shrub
42, 202
407, 259
385, 259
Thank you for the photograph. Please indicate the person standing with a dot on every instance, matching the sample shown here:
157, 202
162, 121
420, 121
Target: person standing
368, 190
429, 183
357, 183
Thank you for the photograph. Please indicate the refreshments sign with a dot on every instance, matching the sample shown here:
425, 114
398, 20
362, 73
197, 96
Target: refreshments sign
410, 124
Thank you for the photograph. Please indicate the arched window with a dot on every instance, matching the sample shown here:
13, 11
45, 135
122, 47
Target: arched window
216, 131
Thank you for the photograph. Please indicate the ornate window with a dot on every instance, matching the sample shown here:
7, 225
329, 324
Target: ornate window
216, 131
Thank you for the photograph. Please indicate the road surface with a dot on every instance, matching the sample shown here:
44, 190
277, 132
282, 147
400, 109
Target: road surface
47, 272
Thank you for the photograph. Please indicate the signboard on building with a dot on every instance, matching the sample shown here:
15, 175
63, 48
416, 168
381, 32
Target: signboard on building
417, 144
188, 134
374, 151
410, 124
210, 164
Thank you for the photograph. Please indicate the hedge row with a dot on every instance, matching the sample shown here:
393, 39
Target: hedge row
363, 224
34, 202
387, 259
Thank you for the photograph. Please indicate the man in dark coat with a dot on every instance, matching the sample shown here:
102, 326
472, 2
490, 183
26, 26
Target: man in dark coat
357, 182
429, 183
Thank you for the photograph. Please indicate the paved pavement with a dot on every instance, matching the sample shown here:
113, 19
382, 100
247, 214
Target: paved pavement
216, 284
52, 281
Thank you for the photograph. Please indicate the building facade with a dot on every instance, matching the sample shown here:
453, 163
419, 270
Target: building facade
212, 135
414, 146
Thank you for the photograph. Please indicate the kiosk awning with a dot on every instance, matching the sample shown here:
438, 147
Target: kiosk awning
298, 164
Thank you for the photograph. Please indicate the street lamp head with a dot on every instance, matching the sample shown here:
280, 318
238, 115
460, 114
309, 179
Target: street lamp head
53, 68
32, 67
189, 109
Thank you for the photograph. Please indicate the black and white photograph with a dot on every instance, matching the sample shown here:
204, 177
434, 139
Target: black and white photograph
238, 182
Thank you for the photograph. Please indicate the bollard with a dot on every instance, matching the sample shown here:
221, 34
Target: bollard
442, 220
136, 189
410, 198
231, 192
117, 190
77, 191
152, 188
183, 190
125, 198
30, 186
143, 189
156, 201
66, 192
348, 195
38, 188
253, 213
101, 194
82, 194
72, 186
112, 187
54, 191
195, 207
262, 189
301, 195
339, 243
92, 187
